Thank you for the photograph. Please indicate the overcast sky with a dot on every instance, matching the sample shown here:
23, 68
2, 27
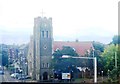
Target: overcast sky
86, 20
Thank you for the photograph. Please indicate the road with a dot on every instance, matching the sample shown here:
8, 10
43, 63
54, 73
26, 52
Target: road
7, 78
1, 78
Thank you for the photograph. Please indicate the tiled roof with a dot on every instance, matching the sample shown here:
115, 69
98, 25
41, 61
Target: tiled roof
80, 47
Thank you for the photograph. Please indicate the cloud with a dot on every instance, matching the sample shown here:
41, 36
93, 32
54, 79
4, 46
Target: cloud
71, 18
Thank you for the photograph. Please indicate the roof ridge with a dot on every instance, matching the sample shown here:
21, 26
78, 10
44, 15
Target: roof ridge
74, 41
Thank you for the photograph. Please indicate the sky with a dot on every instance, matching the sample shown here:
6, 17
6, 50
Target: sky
85, 20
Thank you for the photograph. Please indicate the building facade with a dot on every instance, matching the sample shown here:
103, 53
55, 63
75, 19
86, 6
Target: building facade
40, 53
42, 46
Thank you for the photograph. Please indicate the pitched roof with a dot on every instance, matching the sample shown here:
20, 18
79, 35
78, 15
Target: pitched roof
80, 47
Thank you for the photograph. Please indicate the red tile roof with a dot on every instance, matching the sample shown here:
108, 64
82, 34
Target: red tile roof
80, 47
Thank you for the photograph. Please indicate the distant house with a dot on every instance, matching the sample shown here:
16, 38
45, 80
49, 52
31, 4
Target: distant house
81, 47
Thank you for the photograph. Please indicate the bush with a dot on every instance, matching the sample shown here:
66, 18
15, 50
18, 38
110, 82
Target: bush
109, 80
114, 74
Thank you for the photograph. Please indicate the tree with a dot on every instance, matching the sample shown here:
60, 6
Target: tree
57, 54
4, 57
116, 39
66, 50
65, 65
98, 50
109, 57
98, 46
118, 60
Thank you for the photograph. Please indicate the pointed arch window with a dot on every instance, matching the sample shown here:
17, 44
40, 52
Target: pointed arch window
47, 65
47, 34
42, 33
43, 65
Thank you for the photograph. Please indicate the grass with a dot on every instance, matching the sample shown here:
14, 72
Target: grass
78, 80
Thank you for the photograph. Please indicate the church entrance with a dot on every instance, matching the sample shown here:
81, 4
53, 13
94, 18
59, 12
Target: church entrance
45, 76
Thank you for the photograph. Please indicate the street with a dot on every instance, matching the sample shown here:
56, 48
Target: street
7, 78
1, 78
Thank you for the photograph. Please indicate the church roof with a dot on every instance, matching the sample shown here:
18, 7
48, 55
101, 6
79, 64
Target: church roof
80, 46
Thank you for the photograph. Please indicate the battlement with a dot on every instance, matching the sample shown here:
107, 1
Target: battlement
40, 19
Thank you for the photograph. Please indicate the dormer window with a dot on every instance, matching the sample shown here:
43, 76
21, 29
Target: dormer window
74, 49
57, 49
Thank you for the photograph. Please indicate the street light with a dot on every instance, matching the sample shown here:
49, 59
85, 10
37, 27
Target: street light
102, 75
93, 52
116, 60
25, 68
108, 73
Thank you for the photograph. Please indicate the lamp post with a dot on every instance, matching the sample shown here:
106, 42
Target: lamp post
93, 52
108, 73
15, 68
21, 73
25, 68
102, 75
116, 60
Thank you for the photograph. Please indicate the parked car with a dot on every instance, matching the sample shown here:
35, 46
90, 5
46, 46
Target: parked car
1, 72
19, 76
23, 77
28, 77
14, 75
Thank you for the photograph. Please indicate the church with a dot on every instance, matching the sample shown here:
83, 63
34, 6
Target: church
42, 46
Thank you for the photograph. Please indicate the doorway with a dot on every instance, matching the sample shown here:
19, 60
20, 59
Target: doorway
45, 76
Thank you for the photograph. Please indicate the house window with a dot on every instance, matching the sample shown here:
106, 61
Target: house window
42, 33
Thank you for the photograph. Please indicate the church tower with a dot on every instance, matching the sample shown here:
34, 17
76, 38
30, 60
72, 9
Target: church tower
43, 36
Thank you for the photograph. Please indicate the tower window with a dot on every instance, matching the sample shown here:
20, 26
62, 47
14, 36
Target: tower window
43, 65
47, 34
42, 33
48, 65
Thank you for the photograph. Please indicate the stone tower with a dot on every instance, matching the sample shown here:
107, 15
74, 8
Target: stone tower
31, 59
43, 47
